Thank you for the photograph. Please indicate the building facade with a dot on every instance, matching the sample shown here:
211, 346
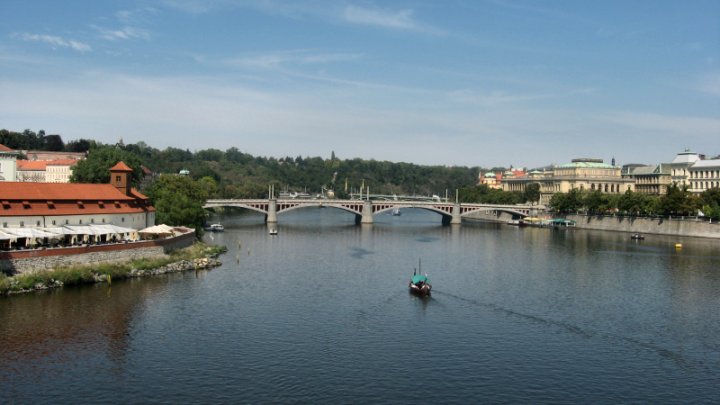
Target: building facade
8, 159
651, 180
41, 205
679, 172
583, 174
704, 175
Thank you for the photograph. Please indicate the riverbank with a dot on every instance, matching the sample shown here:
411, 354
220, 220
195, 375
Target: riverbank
677, 226
195, 257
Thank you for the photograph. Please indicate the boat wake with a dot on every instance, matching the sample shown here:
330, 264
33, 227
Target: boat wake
676, 357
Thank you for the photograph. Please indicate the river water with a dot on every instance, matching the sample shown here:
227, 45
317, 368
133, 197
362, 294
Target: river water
321, 314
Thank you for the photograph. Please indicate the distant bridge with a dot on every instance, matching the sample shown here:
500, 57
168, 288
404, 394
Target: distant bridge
452, 213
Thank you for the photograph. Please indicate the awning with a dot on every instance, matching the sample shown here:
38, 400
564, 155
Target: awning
161, 229
5, 236
30, 233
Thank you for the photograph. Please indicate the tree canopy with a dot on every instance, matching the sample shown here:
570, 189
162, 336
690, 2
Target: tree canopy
179, 199
96, 167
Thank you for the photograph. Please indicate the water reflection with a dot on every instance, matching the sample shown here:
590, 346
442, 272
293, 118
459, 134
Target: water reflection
322, 313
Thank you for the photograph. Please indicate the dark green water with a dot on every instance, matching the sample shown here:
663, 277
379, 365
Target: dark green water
321, 314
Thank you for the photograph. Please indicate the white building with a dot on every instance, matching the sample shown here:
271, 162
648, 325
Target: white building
8, 165
704, 175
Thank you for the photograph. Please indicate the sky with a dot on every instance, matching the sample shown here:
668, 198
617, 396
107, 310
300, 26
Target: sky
440, 82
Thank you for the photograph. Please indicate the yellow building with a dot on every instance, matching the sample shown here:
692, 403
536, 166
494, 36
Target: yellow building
583, 174
651, 180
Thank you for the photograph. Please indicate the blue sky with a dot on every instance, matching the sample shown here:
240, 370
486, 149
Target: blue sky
451, 82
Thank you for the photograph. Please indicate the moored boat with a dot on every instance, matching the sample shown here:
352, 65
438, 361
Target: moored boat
273, 231
216, 228
637, 236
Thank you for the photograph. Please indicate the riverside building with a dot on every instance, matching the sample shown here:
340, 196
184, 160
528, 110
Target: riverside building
41, 205
704, 175
583, 174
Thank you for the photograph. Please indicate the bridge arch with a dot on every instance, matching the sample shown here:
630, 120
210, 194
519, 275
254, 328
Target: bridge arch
343, 207
426, 208
469, 211
237, 205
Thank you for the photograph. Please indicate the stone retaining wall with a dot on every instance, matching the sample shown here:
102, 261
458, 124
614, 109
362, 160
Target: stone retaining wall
25, 261
660, 226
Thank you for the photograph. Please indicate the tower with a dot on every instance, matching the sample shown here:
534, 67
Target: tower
120, 177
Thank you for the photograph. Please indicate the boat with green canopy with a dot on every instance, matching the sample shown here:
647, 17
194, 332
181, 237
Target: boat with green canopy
420, 283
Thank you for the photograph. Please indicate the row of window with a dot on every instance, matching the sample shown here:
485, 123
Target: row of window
705, 185
705, 174
611, 188
54, 222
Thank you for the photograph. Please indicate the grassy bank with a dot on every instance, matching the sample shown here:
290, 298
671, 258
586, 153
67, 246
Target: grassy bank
101, 272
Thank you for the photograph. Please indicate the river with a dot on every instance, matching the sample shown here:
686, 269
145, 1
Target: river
321, 314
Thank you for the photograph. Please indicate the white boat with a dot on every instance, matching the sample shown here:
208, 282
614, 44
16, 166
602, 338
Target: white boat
216, 228
273, 231
396, 212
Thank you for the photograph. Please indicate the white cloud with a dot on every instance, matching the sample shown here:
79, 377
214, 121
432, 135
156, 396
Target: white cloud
55, 41
197, 112
710, 84
402, 19
294, 57
680, 126
124, 33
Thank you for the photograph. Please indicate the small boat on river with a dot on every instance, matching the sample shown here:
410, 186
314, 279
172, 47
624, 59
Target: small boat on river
396, 212
637, 236
273, 231
420, 284
216, 228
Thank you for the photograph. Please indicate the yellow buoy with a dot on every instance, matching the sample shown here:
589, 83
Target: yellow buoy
678, 246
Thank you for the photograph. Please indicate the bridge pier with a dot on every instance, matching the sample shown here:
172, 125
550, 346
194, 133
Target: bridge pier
367, 213
456, 218
271, 217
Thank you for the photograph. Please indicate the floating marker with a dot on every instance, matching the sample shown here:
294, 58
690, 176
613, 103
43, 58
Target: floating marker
678, 246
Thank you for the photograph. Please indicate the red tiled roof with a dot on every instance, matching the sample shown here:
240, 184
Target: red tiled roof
34, 165
121, 167
137, 194
60, 191
62, 162
4, 148
50, 208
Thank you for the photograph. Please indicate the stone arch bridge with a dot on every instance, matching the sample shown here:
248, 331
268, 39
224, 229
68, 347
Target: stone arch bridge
452, 213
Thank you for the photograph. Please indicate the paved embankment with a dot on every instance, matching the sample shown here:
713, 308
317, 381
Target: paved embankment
660, 226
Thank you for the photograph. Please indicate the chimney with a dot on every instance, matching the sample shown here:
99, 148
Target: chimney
120, 177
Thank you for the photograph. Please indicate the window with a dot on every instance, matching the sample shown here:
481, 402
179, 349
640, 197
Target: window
118, 179
103, 220
92, 220
80, 222
53, 222
67, 222
4, 224
22, 224
122, 219
37, 223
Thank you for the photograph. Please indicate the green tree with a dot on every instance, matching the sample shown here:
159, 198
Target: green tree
96, 167
54, 143
595, 201
80, 145
571, 201
179, 200
532, 193
711, 203
678, 201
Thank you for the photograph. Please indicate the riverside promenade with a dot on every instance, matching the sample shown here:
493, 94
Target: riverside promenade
675, 226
